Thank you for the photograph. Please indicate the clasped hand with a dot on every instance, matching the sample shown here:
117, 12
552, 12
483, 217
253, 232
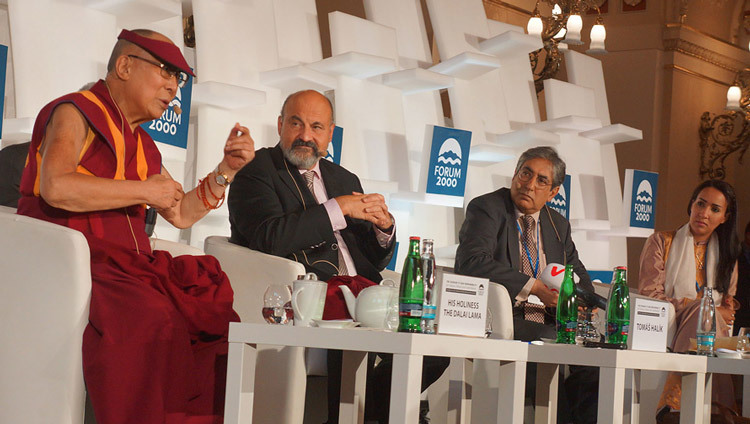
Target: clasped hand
369, 207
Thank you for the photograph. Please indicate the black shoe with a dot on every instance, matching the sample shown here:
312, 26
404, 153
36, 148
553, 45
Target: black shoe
424, 409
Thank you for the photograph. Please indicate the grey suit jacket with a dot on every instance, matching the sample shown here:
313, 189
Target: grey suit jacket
488, 242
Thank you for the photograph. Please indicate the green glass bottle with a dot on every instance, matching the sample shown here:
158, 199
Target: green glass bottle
567, 309
411, 292
618, 307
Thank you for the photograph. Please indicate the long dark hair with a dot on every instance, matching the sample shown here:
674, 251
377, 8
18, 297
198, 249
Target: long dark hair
729, 241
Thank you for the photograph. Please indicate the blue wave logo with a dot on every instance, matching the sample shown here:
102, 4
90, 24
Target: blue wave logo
450, 159
177, 101
645, 192
450, 152
559, 200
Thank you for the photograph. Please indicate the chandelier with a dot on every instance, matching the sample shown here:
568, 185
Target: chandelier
723, 135
559, 30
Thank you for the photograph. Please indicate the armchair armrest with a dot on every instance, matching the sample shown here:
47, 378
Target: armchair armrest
250, 272
175, 248
501, 308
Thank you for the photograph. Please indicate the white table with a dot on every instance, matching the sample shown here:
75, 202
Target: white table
612, 364
407, 350
736, 367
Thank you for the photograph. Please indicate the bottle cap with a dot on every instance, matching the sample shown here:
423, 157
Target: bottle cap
414, 238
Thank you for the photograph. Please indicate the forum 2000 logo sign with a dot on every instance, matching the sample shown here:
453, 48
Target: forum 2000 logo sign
449, 161
561, 201
642, 187
172, 127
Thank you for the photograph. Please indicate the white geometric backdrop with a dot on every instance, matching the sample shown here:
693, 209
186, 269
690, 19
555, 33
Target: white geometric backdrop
250, 54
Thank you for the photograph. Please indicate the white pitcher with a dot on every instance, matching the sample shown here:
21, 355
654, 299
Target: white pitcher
308, 299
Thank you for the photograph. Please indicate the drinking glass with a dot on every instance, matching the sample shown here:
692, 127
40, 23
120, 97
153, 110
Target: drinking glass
277, 304
488, 324
743, 343
586, 329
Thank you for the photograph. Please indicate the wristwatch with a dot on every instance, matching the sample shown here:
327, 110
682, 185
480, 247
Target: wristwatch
221, 178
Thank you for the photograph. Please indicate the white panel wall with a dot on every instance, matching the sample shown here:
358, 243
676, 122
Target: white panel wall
352, 34
420, 111
565, 99
517, 80
587, 72
385, 129
504, 100
297, 32
457, 24
405, 16
44, 70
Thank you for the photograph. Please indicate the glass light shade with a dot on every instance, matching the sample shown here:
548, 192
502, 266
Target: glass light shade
560, 34
598, 35
535, 26
733, 97
556, 10
574, 26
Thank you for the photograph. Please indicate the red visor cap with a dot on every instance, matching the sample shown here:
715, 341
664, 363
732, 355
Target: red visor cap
166, 52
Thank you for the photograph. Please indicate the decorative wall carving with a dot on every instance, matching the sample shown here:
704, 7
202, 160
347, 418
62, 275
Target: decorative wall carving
699, 52
722, 136
725, 134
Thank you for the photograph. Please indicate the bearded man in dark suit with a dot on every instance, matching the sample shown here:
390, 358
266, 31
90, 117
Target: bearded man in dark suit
272, 210
290, 203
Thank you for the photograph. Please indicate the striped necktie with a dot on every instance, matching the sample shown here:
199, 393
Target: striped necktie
309, 177
531, 311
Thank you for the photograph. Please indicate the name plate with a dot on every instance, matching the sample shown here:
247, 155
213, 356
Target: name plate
648, 324
463, 305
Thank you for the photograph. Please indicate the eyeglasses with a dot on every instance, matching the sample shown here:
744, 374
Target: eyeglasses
167, 71
526, 175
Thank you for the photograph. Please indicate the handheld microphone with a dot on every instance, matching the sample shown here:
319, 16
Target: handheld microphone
150, 221
553, 276
177, 109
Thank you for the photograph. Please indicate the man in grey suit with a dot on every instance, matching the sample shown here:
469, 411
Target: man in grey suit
509, 236
491, 240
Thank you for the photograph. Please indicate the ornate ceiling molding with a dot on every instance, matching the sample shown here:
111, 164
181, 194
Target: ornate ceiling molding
699, 52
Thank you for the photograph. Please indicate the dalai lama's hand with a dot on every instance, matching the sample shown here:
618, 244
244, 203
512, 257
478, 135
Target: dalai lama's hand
238, 150
163, 192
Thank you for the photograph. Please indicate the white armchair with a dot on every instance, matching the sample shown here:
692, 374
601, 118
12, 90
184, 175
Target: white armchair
280, 373
450, 396
44, 307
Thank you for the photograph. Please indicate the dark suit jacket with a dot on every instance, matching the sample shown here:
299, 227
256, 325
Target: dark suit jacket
488, 242
271, 210
12, 162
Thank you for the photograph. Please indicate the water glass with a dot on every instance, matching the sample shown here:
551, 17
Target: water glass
586, 329
488, 324
743, 343
277, 304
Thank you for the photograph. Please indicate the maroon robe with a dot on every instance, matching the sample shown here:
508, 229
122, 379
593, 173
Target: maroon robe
154, 350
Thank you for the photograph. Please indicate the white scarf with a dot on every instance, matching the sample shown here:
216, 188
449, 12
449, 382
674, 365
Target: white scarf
680, 267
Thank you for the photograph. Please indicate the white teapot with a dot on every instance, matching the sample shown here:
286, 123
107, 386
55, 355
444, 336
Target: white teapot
375, 306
